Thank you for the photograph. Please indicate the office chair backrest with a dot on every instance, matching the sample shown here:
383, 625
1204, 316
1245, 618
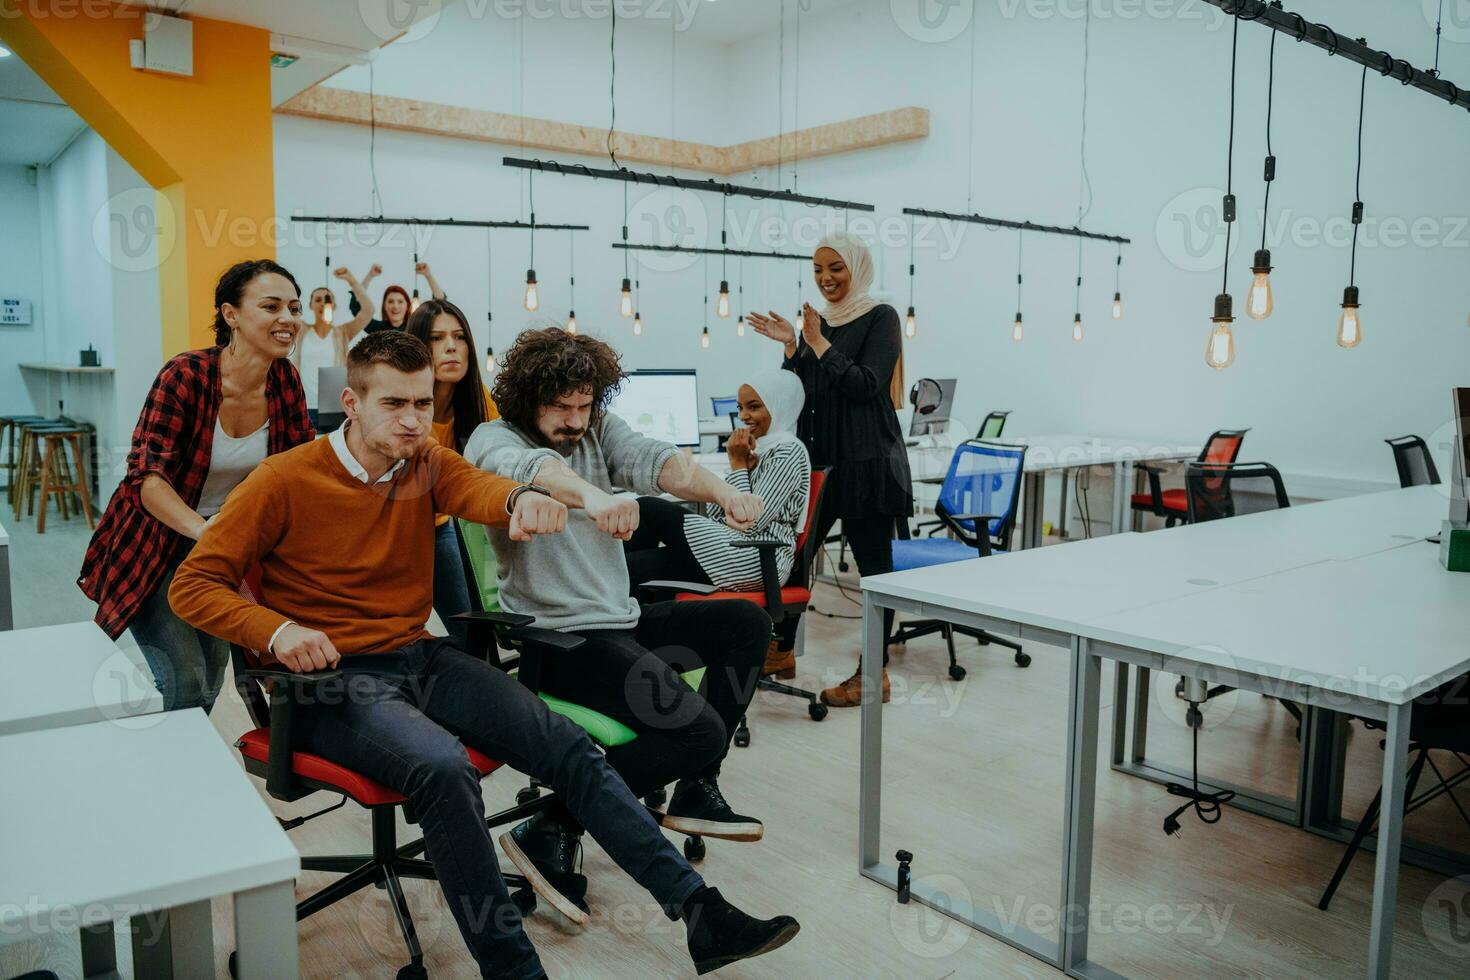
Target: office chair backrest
243, 659
724, 405
984, 478
1218, 490
806, 542
1223, 446
993, 426
1415, 465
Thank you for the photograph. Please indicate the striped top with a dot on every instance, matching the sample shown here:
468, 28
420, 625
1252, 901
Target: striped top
782, 478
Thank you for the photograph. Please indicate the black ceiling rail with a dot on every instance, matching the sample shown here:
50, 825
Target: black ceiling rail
1358, 51
980, 219
710, 186
438, 222
691, 250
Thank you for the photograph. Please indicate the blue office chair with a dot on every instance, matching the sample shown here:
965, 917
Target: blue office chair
983, 484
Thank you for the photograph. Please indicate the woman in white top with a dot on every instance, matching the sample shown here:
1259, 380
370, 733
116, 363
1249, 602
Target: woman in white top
766, 459
324, 343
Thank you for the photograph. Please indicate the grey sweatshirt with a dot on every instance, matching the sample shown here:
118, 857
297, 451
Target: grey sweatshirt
578, 579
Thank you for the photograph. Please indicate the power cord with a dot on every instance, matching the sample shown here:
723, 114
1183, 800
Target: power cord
1205, 805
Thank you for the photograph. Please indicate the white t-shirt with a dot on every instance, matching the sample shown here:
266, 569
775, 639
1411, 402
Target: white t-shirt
231, 460
317, 352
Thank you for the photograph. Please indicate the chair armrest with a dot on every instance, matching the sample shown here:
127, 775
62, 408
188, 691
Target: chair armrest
278, 780
981, 535
671, 586
770, 584
974, 517
498, 619
1155, 487
756, 543
1148, 467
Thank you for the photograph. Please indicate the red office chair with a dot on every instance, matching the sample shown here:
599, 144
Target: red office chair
289, 774
780, 602
1173, 505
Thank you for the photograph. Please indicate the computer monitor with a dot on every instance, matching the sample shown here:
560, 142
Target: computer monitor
1460, 459
935, 422
724, 405
661, 405
329, 385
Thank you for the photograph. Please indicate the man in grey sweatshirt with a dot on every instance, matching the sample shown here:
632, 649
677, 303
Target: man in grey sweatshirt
555, 434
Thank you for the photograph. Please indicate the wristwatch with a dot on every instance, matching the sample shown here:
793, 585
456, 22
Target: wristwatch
515, 495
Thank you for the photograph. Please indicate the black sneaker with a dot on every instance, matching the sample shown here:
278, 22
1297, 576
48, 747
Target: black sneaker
721, 934
698, 807
548, 853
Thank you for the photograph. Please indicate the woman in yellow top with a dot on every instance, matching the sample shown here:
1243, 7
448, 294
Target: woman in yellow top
461, 404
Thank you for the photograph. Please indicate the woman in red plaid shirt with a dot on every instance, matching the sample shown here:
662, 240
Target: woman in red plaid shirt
211, 416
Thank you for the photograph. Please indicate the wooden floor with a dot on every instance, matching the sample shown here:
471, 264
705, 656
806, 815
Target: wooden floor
972, 786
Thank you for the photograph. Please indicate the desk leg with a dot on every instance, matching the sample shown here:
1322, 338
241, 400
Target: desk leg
1140, 715
1122, 478
1062, 509
1081, 794
1120, 711
265, 933
7, 616
99, 951
1390, 839
870, 768
174, 943
1034, 491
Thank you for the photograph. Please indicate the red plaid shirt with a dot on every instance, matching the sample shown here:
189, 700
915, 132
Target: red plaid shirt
131, 549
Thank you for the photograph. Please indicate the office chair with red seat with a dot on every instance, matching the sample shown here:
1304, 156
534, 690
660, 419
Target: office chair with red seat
1172, 505
270, 695
780, 602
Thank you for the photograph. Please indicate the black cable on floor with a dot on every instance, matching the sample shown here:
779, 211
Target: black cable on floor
1206, 805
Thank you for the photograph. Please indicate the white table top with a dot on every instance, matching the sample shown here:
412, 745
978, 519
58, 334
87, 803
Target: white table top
1102, 587
4, 537
102, 822
73, 674
1065, 451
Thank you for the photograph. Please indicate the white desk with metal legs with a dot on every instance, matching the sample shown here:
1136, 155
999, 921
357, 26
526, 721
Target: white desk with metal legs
144, 819
7, 614
1273, 603
72, 674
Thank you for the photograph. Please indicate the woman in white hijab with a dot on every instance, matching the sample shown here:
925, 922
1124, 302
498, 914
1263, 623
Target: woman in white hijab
766, 459
850, 362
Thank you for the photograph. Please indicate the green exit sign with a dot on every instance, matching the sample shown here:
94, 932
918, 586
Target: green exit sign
279, 60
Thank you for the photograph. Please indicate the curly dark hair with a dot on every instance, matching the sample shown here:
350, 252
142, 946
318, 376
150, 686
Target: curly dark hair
544, 364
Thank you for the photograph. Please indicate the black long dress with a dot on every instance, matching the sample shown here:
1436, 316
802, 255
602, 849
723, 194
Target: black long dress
848, 422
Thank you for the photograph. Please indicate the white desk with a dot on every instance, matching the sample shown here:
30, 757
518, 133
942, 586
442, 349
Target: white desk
1219, 602
103, 823
56, 676
7, 616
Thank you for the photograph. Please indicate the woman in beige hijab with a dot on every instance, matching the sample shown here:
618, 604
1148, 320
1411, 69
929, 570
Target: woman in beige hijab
849, 358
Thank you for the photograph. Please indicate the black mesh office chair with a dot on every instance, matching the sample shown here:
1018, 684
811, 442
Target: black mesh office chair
1415, 465
1441, 720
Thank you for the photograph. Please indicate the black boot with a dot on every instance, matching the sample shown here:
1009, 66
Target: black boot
547, 852
698, 807
721, 934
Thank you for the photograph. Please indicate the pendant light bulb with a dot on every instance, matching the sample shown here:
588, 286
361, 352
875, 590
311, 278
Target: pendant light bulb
413, 303
328, 311
625, 302
1117, 306
740, 326
722, 308
1258, 302
1349, 327
637, 324
1220, 349
1077, 327
704, 339
572, 321
533, 295
490, 366
910, 324
1018, 332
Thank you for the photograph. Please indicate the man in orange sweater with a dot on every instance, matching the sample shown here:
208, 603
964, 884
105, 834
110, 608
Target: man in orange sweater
343, 531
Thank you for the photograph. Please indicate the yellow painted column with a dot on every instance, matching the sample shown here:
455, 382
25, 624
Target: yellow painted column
203, 142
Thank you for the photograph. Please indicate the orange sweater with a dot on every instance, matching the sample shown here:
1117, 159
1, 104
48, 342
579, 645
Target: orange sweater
352, 560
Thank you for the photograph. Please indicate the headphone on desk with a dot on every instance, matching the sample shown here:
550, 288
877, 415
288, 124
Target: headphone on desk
925, 396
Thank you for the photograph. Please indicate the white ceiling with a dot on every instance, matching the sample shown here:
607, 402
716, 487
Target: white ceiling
727, 21
36, 123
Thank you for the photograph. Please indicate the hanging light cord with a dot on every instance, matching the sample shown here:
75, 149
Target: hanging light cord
1358, 181
911, 261
489, 290
970, 161
1084, 184
531, 184
1229, 162
612, 88
1270, 156
1020, 250
625, 229
1438, 24
572, 270
1118, 271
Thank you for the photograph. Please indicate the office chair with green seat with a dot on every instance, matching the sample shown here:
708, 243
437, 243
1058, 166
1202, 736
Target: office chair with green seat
993, 426
491, 629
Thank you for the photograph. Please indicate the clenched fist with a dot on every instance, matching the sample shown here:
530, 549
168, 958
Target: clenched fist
536, 513
617, 516
742, 510
304, 650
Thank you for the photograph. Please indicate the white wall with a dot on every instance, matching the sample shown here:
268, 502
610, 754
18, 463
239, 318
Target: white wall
20, 277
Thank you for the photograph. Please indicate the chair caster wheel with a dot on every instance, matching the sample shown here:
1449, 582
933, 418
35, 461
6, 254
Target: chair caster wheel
526, 794
1023, 660
232, 964
694, 849
657, 798
742, 738
817, 710
413, 971
525, 901
956, 672
843, 566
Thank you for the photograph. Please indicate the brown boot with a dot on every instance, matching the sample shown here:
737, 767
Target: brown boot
848, 694
779, 663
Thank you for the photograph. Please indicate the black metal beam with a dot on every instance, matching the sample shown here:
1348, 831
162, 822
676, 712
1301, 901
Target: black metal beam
710, 186
980, 219
1355, 50
690, 250
441, 222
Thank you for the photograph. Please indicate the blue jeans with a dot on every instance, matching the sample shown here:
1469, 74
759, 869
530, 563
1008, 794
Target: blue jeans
451, 588
404, 718
188, 665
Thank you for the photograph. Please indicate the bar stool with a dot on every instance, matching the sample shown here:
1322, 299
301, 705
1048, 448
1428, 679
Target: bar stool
10, 426
57, 477
27, 466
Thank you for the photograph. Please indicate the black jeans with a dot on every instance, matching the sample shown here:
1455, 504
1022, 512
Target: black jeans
633, 676
871, 541
404, 718
661, 522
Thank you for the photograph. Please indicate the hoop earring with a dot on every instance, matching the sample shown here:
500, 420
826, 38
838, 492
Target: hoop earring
234, 336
